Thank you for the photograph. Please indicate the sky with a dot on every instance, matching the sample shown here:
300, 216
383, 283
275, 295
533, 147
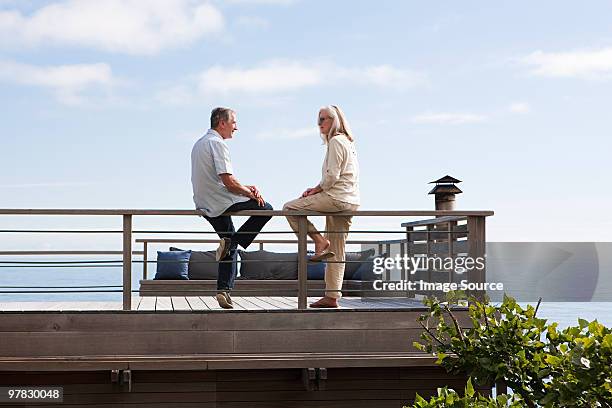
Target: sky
101, 102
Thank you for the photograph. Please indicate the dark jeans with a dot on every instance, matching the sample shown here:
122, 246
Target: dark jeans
224, 227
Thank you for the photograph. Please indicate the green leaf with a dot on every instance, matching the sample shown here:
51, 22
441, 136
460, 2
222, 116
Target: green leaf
441, 357
469, 388
607, 341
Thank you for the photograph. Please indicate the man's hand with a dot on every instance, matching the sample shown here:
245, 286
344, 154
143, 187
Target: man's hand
256, 195
233, 185
254, 190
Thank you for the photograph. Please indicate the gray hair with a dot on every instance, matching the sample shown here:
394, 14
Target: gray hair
220, 114
339, 123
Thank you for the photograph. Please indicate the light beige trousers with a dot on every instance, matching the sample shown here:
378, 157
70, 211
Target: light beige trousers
323, 202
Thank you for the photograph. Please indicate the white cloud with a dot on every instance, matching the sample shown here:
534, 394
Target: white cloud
126, 26
519, 107
589, 64
282, 75
270, 78
447, 118
67, 81
288, 134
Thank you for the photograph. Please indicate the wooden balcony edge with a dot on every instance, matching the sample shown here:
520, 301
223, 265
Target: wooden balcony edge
217, 362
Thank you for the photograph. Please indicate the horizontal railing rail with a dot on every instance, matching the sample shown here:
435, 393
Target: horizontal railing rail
274, 213
473, 232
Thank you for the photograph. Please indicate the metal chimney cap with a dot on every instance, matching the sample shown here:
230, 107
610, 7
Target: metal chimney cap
446, 179
445, 189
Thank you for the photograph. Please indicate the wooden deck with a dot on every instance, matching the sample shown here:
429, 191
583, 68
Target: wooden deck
208, 303
186, 352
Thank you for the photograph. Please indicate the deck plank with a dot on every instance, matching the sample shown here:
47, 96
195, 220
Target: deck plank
195, 303
274, 304
147, 303
211, 302
247, 303
238, 304
206, 306
262, 303
163, 303
280, 300
291, 301
179, 303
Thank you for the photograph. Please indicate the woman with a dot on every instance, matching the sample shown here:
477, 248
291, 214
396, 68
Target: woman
337, 191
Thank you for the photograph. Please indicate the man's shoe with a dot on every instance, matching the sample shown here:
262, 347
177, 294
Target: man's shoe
223, 249
222, 300
228, 298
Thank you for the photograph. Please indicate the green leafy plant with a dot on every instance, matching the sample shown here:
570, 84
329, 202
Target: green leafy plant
510, 345
450, 399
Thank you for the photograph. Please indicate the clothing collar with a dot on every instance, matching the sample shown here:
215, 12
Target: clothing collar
213, 132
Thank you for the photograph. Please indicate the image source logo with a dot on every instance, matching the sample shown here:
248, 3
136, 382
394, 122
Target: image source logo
413, 264
446, 265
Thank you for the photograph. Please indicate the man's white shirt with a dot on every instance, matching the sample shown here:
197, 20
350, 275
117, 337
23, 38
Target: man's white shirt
209, 158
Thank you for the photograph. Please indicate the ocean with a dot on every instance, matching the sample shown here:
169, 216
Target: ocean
109, 279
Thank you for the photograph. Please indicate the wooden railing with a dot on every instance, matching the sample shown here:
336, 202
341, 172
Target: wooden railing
474, 234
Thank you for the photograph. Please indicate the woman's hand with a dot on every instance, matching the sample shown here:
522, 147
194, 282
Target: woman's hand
311, 191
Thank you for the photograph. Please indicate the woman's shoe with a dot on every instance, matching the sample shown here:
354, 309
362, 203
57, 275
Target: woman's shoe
325, 303
324, 254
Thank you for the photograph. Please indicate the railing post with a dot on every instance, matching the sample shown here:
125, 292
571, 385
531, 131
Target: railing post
302, 263
451, 247
127, 262
409, 254
145, 247
477, 249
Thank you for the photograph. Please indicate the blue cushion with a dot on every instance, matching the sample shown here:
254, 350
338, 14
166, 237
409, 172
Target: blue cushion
173, 265
362, 260
316, 270
365, 271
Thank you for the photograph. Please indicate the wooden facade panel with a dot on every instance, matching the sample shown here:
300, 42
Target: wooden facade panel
313, 320
325, 341
120, 405
157, 376
101, 322
165, 395
16, 344
226, 320
243, 388
375, 403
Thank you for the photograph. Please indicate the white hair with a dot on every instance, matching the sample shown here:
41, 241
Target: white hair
339, 123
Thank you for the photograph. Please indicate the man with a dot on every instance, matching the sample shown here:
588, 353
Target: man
216, 190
